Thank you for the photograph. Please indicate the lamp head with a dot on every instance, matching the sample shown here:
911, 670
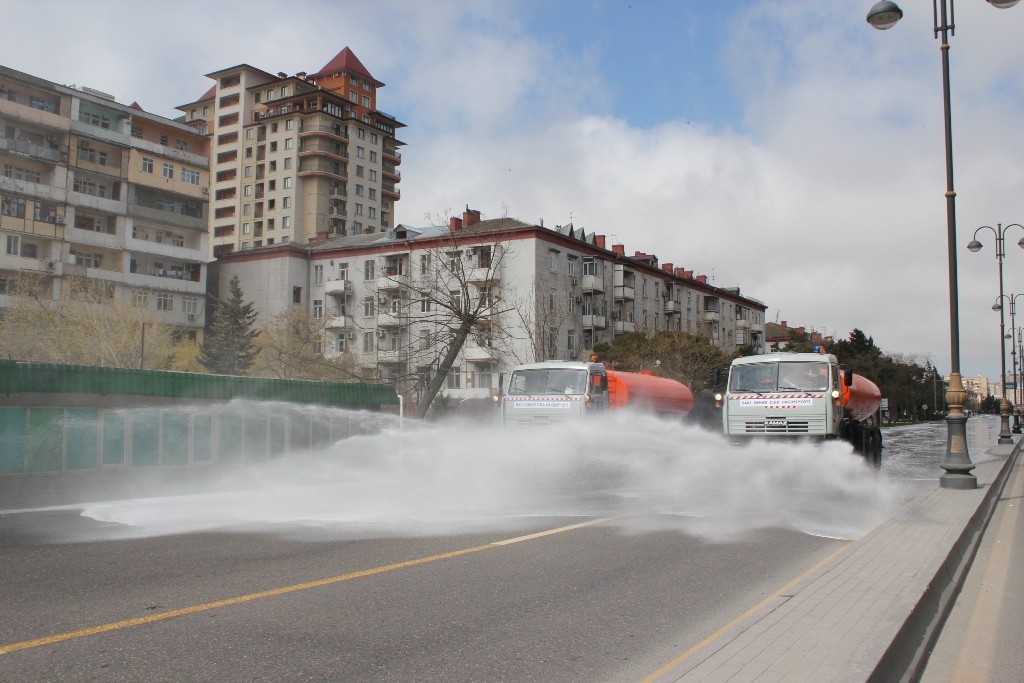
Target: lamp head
997, 306
1003, 4
975, 245
1020, 243
884, 14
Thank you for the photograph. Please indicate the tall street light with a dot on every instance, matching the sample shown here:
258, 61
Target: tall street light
957, 463
1015, 408
1000, 232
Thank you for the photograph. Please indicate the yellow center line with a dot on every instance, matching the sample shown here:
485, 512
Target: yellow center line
195, 609
753, 610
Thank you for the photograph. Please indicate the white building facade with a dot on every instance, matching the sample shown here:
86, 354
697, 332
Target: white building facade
535, 294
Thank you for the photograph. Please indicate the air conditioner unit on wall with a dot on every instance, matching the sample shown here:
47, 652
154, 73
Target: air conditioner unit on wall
60, 220
381, 333
575, 281
191, 317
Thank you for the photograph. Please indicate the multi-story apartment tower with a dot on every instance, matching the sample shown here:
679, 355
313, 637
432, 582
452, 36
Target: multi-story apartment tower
297, 158
94, 189
543, 294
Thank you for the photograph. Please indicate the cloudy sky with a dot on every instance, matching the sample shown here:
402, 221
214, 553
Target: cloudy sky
782, 146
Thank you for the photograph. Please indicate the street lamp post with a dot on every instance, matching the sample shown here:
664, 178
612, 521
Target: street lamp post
1015, 409
1000, 233
957, 463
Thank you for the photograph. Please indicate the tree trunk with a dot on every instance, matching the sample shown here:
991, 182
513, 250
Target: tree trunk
446, 364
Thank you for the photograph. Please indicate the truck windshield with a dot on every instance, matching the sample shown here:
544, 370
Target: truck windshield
548, 381
778, 377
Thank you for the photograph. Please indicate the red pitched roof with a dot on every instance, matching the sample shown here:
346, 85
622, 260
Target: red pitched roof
346, 60
136, 105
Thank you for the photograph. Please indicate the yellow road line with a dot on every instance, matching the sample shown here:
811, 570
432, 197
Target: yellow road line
195, 609
753, 610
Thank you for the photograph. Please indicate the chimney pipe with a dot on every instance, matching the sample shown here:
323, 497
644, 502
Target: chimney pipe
619, 249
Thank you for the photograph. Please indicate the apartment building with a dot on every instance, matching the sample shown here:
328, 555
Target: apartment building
94, 189
540, 293
297, 158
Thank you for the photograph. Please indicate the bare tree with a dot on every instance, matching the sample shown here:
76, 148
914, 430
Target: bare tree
292, 347
443, 293
82, 321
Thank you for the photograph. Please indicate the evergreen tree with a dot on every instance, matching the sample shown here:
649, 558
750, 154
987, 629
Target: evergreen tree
229, 347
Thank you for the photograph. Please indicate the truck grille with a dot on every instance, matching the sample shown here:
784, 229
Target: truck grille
786, 427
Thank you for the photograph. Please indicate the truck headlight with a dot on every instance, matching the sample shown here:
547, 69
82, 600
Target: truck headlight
718, 397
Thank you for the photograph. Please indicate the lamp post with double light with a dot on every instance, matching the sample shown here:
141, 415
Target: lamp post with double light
1000, 234
957, 461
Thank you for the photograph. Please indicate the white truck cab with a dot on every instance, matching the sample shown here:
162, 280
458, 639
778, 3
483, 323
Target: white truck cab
553, 391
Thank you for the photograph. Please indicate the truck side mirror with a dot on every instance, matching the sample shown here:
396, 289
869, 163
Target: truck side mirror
848, 378
720, 376
501, 384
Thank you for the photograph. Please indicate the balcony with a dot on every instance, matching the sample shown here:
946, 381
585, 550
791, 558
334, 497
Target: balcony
316, 147
623, 326
594, 321
623, 293
391, 191
338, 287
327, 170
29, 150
392, 174
389, 356
91, 237
390, 319
89, 201
481, 275
742, 324
480, 354
592, 283
712, 316
108, 135
672, 307
392, 280
329, 131
338, 322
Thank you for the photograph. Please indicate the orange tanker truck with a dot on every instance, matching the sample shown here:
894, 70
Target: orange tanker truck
560, 391
801, 394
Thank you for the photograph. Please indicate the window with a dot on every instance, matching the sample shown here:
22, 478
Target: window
12, 206
190, 176
424, 264
286, 203
168, 171
571, 341
353, 96
140, 298
373, 174
289, 143
359, 190
287, 163
343, 271
368, 270
359, 171
360, 133
190, 304
286, 222
373, 193
455, 378
287, 183
296, 295
425, 304
289, 124
367, 342
359, 209
373, 156
368, 307
164, 301
360, 152
249, 133
147, 165
552, 260
318, 308
371, 212
182, 145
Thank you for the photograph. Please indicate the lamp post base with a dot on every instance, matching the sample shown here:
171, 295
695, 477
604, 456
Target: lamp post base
1004, 423
957, 462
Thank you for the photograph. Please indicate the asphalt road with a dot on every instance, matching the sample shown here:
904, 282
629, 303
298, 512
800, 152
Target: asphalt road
607, 591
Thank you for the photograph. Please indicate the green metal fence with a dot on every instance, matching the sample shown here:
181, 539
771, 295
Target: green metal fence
18, 377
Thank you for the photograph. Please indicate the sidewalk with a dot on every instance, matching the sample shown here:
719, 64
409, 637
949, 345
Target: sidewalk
871, 612
982, 637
